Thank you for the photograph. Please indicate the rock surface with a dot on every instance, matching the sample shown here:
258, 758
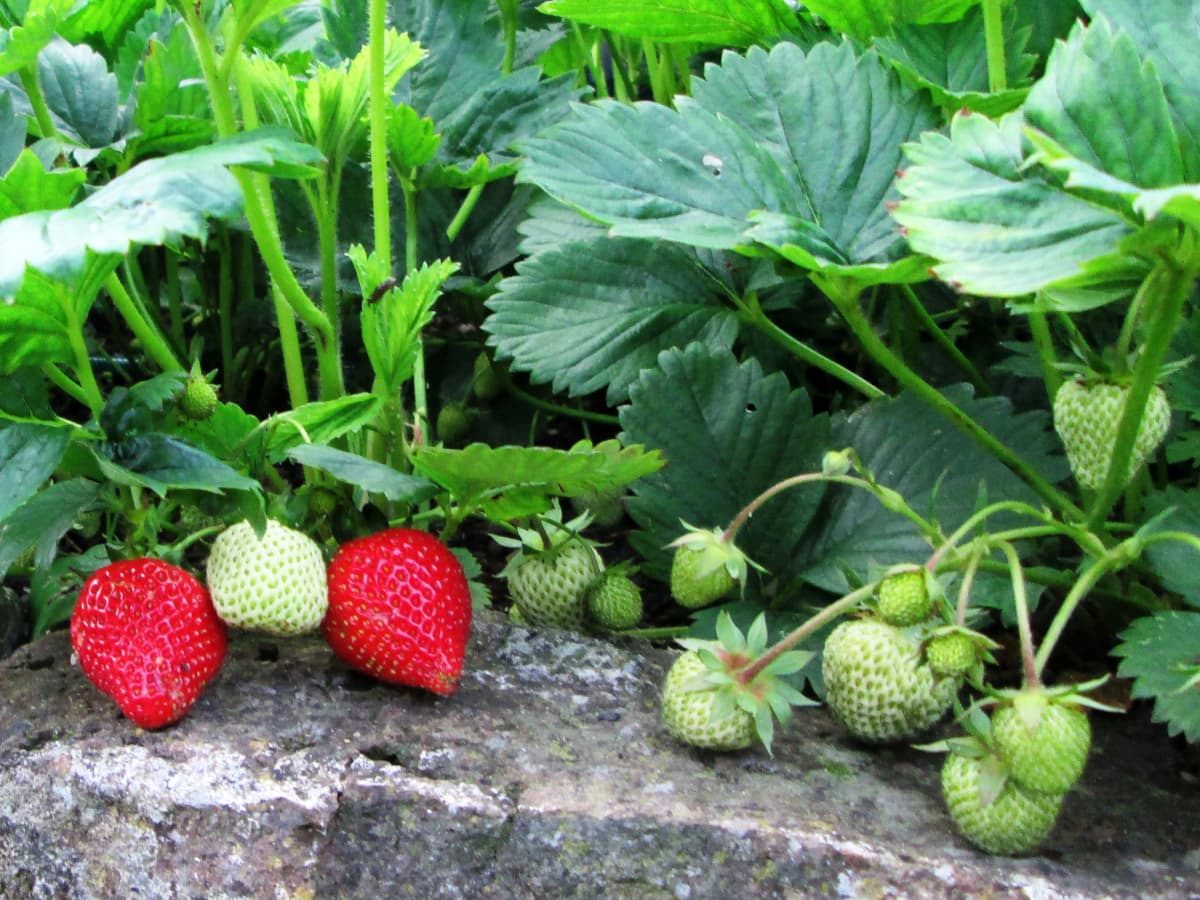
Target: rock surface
547, 775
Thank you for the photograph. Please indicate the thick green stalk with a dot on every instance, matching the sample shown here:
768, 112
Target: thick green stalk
151, 339
31, 82
845, 297
174, 298
1039, 329
943, 340
1169, 288
993, 31
1021, 602
463, 213
91, 394
508, 18
261, 216
753, 313
377, 112
63, 382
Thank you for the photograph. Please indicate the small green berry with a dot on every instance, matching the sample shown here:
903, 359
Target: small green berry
198, 400
951, 655
904, 598
453, 422
615, 602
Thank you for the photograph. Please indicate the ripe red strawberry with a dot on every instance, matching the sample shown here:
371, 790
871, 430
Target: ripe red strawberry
147, 635
400, 609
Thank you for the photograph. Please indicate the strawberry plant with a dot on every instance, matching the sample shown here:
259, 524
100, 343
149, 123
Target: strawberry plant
457, 266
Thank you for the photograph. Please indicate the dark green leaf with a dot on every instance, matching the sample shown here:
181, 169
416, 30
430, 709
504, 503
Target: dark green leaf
591, 316
29, 454
373, 477
1176, 563
80, 92
161, 463
728, 432
43, 519
1161, 653
1166, 33
938, 470
12, 134
950, 61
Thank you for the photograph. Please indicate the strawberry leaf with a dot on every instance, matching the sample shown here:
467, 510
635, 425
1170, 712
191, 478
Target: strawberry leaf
1176, 563
1161, 653
29, 454
727, 23
590, 316
728, 432
934, 466
863, 19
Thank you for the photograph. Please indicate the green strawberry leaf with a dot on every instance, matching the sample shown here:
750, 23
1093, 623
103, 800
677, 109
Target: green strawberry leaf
81, 94
728, 432
29, 454
319, 422
27, 186
508, 483
156, 202
938, 470
591, 316
1161, 653
745, 143
373, 477
1176, 563
863, 19
13, 129
1165, 33
43, 519
161, 463
999, 228
727, 23
950, 61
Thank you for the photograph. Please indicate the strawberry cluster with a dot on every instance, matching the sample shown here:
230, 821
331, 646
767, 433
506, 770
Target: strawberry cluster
395, 605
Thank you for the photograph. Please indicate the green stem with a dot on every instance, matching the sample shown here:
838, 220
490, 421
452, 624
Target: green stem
1167, 299
153, 343
1083, 584
539, 403
31, 82
844, 296
225, 307
1039, 329
943, 340
90, 393
378, 119
174, 294
464, 211
993, 30
63, 382
1085, 539
324, 207
964, 588
1021, 602
289, 347
828, 614
260, 212
508, 18
753, 313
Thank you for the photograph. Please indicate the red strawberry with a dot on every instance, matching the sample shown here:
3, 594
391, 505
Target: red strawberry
400, 609
147, 635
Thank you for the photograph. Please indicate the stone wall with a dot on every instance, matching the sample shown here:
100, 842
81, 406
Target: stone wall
546, 775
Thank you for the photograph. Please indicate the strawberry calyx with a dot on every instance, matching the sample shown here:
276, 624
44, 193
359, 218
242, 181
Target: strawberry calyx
706, 566
765, 695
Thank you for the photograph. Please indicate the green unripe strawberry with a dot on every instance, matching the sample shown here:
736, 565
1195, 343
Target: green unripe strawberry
1086, 415
606, 508
486, 383
1015, 821
951, 655
453, 422
615, 602
550, 588
276, 583
1044, 744
690, 708
877, 685
322, 502
199, 398
903, 598
706, 566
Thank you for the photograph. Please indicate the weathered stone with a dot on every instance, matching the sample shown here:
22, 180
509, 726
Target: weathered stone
547, 775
